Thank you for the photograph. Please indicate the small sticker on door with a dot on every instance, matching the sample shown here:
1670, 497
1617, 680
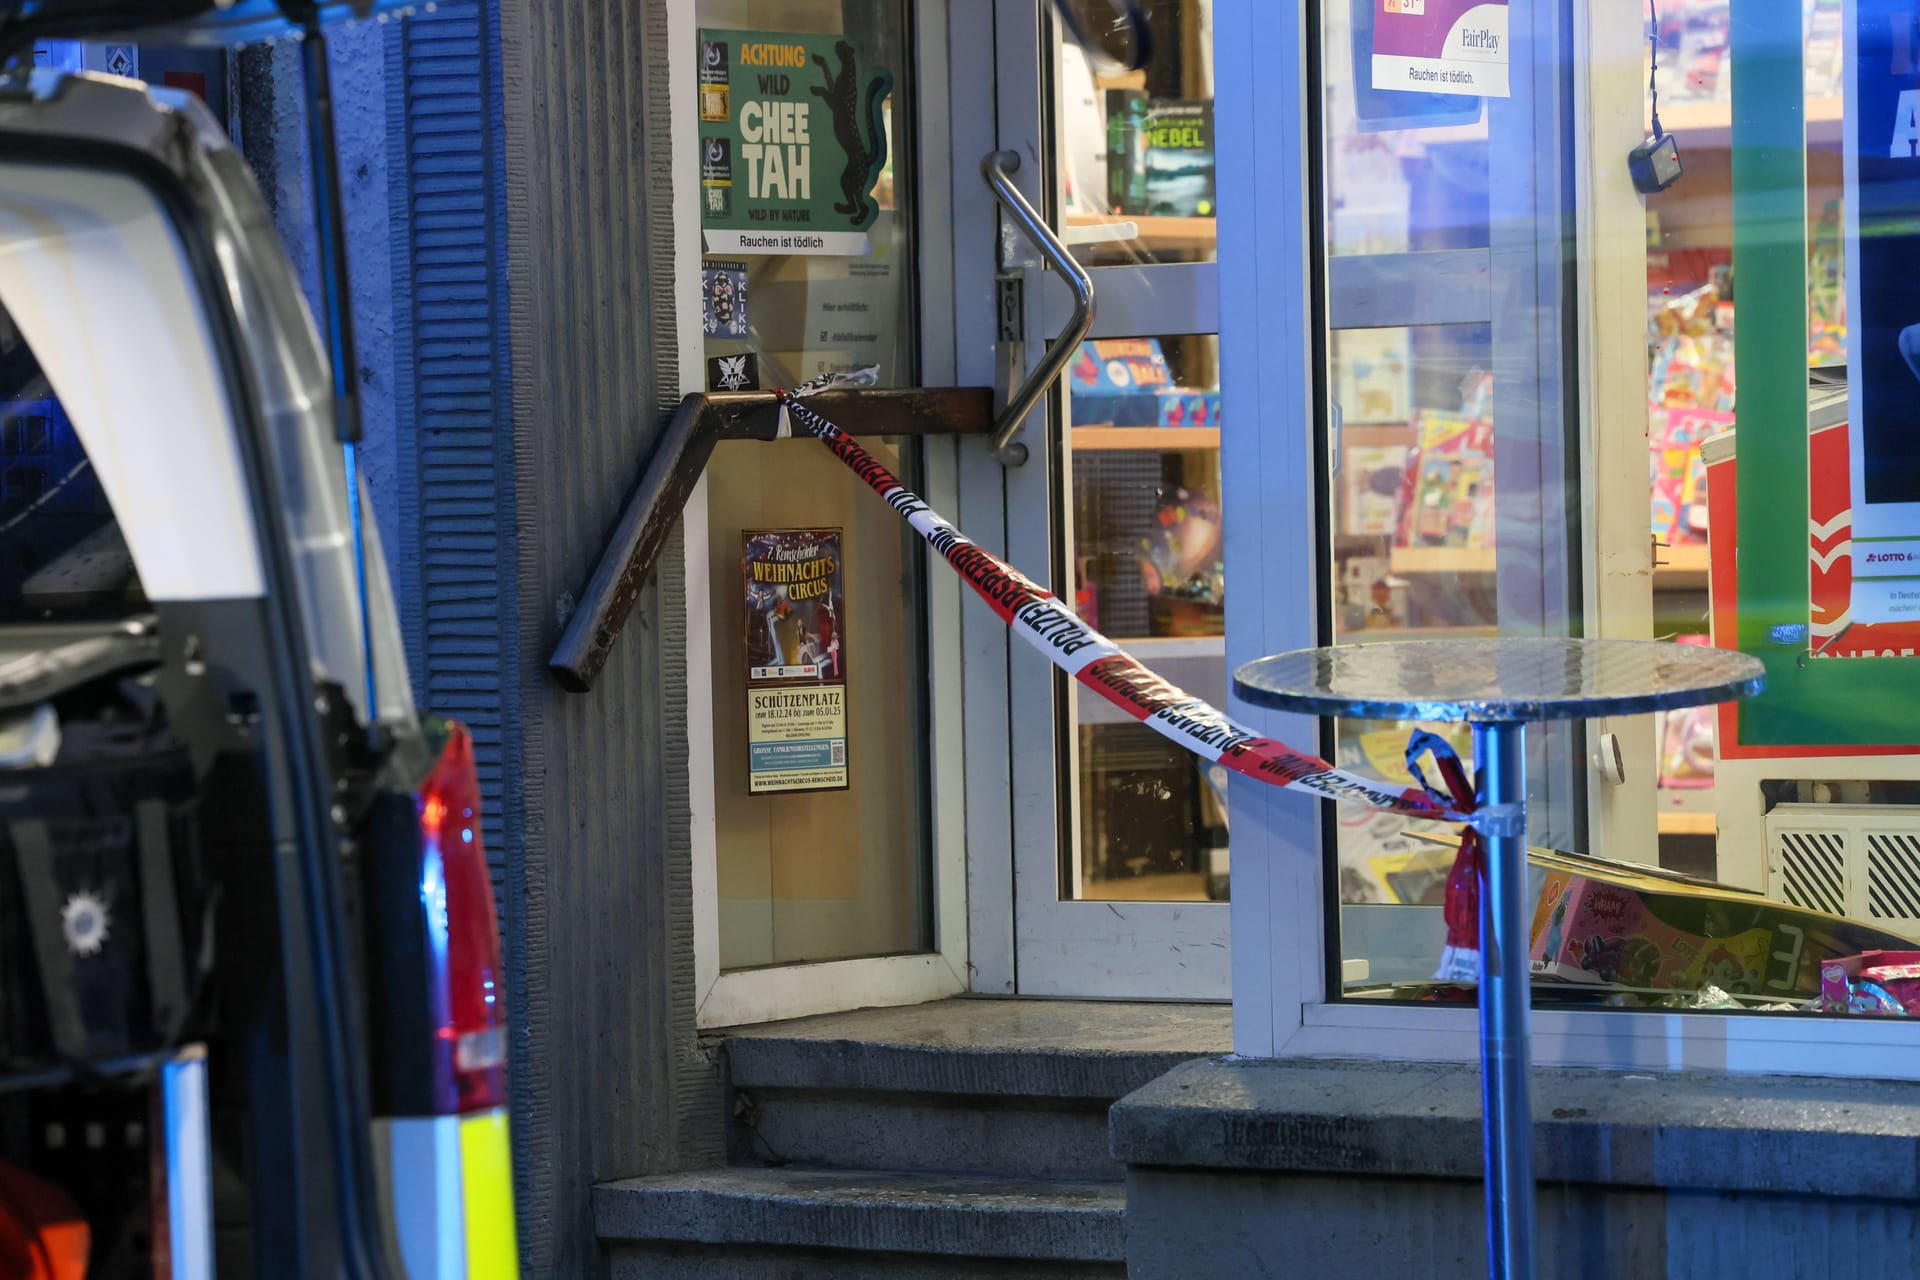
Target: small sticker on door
733, 373
723, 288
716, 71
123, 60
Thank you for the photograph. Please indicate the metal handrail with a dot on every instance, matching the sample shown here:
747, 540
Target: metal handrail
997, 169
679, 457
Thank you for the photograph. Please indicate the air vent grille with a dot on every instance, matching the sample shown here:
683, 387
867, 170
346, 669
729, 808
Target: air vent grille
1893, 875
1855, 860
1813, 870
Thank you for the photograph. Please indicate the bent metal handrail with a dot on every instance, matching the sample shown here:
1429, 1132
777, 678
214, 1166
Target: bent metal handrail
701, 422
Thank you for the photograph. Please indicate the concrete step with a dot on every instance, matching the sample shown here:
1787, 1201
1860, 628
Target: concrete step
1054, 1138
802, 1223
1005, 1088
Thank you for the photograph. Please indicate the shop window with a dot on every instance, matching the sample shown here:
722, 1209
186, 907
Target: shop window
820, 749
1473, 475
1415, 554
826, 859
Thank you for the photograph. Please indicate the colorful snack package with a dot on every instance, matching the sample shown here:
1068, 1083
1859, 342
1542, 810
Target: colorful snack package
1881, 983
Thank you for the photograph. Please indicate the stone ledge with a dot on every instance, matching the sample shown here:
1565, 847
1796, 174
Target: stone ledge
1693, 1130
980, 1048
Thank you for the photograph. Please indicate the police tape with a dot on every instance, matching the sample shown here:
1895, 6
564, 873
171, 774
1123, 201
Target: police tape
1038, 617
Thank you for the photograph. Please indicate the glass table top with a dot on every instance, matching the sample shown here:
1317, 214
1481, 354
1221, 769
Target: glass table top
1519, 678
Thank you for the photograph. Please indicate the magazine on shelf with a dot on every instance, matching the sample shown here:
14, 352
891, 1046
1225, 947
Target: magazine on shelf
1447, 492
1159, 156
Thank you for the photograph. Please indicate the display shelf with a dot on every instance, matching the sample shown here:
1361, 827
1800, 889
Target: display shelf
1416, 560
1685, 811
1155, 233
1158, 439
1685, 566
1160, 648
1695, 124
1683, 822
1377, 635
1682, 567
1710, 124
1375, 435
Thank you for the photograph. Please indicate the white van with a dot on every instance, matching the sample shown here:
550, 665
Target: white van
242, 889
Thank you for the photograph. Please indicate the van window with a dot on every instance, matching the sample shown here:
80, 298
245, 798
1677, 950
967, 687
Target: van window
61, 554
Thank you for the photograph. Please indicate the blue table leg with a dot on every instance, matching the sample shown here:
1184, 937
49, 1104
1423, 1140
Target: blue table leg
1506, 989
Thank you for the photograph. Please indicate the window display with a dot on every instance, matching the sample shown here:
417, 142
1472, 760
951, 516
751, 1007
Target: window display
1149, 569
1443, 519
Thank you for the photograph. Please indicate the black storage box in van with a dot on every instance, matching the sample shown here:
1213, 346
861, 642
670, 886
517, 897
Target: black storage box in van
103, 895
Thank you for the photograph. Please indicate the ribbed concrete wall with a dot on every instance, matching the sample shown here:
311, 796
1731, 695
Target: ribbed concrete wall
613, 1083
454, 532
521, 266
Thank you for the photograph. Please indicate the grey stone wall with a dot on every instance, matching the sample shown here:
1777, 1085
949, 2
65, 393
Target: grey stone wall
1254, 1169
1229, 1226
616, 1081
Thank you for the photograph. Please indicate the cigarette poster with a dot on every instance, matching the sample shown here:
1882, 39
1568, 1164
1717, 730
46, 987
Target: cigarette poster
1882, 167
796, 661
793, 139
1441, 46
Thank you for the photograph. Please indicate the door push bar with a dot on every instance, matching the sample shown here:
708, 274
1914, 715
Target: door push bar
997, 169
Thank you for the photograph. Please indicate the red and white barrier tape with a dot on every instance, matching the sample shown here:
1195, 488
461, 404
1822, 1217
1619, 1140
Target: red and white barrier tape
1037, 616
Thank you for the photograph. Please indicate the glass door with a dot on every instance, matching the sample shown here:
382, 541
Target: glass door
1120, 866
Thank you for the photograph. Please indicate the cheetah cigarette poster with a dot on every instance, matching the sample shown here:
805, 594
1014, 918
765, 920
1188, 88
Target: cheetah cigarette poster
1441, 46
792, 141
795, 583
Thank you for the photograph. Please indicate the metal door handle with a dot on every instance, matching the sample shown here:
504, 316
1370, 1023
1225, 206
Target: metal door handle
997, 169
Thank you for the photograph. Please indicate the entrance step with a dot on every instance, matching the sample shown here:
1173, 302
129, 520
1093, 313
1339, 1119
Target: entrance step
799, 1224
1002, 1088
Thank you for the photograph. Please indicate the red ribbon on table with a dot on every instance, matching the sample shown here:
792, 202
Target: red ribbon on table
1460, 960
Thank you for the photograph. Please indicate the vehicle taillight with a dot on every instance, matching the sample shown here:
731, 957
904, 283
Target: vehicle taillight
469, 1009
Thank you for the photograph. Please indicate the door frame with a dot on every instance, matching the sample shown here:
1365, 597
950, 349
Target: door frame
1027, 939
733, 998
995, 803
